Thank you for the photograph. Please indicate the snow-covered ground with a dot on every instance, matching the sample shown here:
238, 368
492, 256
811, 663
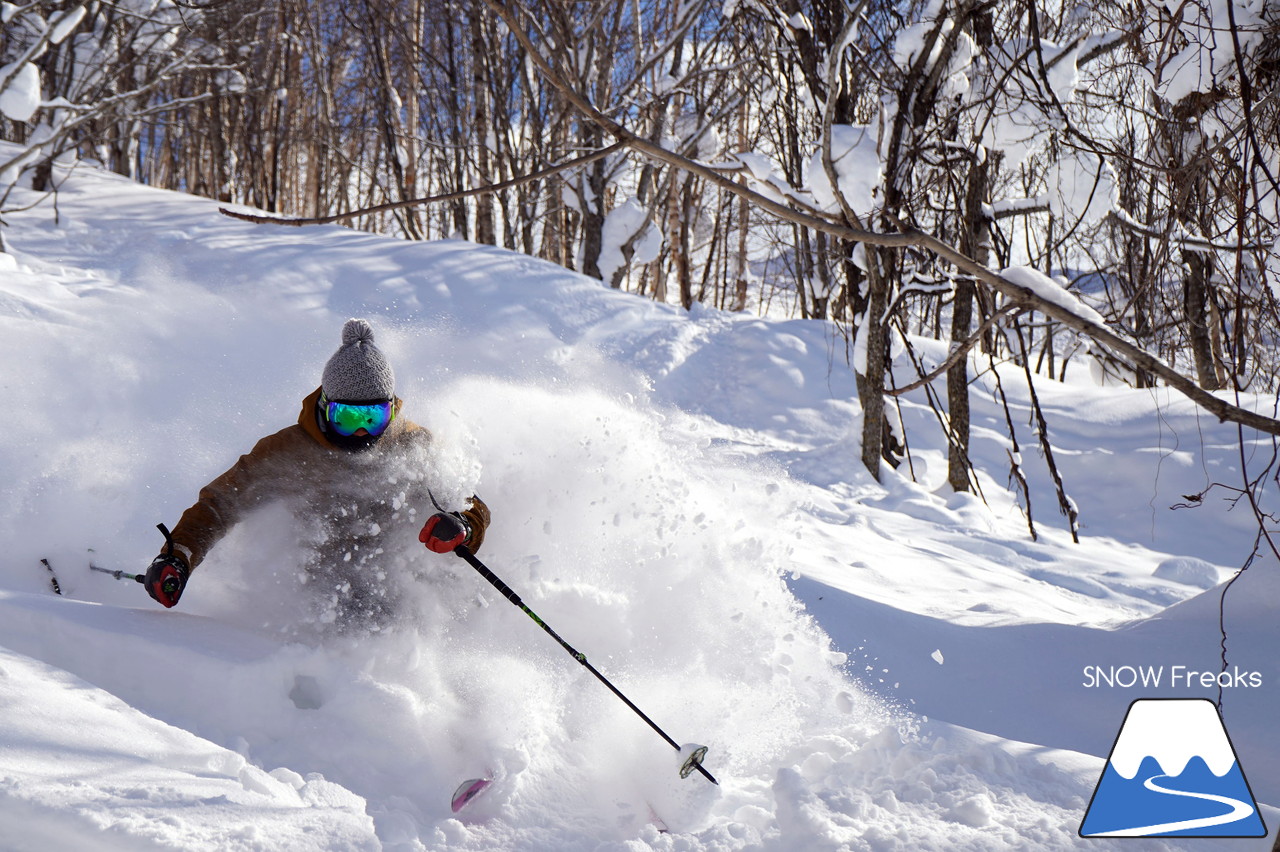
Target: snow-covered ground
874, 666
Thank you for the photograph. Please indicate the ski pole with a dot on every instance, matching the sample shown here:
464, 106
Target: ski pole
695, 759
119, 575
170, 584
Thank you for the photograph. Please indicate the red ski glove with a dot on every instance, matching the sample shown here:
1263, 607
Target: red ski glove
443, 532
166, 578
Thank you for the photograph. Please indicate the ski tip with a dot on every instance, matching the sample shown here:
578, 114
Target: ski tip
467, 791
657, 821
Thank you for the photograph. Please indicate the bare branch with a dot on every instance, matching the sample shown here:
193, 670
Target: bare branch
956, 354
434, 199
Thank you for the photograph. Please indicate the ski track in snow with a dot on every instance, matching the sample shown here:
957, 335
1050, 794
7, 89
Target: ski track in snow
677, 494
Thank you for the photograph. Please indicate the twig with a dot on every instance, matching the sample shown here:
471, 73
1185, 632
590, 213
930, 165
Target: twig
1065, 503
956, 354
1015, 452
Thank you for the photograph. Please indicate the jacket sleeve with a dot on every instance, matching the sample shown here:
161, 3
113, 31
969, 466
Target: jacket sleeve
477, 517
226, 499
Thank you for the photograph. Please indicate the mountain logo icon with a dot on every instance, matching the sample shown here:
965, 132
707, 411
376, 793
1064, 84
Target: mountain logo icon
1172, 773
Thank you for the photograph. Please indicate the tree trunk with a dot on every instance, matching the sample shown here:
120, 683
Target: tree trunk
973, 243
593, 211
486, 233
684, 273
875, 330
1195, 306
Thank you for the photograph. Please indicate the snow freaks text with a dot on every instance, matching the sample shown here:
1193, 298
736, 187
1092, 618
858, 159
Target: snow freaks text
1172, 677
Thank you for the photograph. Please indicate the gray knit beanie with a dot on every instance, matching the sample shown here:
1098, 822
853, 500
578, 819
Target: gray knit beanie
358, 371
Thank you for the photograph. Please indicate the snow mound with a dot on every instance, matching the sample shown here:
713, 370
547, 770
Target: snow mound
1189, 571
124, 780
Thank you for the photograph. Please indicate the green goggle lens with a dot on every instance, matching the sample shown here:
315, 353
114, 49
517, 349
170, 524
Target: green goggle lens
347, 419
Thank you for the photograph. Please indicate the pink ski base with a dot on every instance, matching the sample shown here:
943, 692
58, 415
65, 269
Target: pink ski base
468, 791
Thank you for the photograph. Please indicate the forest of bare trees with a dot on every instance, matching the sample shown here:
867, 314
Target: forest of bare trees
871, 164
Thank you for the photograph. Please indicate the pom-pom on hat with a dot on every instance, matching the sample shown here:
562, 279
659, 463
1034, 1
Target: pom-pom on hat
358, 371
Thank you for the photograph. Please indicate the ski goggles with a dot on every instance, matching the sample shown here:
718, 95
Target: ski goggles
347, 418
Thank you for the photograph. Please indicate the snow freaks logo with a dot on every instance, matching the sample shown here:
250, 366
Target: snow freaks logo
1172, 773
1155, 677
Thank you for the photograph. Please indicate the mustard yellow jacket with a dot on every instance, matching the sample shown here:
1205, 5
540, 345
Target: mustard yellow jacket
299, 463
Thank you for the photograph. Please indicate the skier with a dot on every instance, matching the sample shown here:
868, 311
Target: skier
351, 464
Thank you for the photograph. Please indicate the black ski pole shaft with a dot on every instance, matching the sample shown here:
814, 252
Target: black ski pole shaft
505, 590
